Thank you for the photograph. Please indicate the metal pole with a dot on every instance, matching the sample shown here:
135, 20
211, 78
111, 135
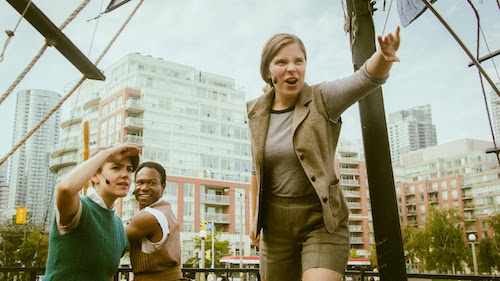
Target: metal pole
202, 261
389, 244
241, 230
213, 247
474, 258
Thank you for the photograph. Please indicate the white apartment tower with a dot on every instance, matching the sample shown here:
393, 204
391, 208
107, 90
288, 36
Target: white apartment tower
495, 108
410, 130
190, 121
4, 192
30, 182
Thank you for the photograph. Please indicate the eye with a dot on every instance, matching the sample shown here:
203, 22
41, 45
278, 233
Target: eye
139, 183
130, 169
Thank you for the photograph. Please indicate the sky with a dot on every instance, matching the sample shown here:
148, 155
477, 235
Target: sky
225, 37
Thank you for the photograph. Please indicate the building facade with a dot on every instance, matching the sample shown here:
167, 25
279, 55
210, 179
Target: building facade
457, 175
410, 130
495, 112
350, 167
192, 122
30, 185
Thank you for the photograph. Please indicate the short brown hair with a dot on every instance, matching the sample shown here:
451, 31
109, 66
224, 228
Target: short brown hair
273, 45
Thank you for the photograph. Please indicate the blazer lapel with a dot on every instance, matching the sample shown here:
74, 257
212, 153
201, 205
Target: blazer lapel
258, 120
301, 108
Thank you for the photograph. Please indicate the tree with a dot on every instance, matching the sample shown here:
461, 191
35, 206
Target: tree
489, 248
222, 248
416, 244
20, 242
439, 244
448, 248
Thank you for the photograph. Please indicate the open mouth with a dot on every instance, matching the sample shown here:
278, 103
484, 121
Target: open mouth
292, 81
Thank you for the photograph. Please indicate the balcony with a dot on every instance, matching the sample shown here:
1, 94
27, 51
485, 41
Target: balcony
355, 228
217, 218
349, 171
352, 194
134, 106
353, 205
215, 199
134, 124
66, 145
356, 240
349, 182
63, 161
135, 140
91, 101
348, 160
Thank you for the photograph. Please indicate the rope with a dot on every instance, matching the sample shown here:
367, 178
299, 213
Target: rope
48, 43
78, 84
119, 32
11, 33
481, 79
39, 124
387, 17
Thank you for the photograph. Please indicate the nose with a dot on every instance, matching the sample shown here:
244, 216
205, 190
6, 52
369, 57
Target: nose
291, 67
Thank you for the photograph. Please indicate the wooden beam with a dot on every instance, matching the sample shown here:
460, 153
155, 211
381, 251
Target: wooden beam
54, 36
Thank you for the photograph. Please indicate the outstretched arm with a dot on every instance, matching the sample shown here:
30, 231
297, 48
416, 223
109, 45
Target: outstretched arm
380, 63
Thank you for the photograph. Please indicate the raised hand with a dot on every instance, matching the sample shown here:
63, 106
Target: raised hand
389, 45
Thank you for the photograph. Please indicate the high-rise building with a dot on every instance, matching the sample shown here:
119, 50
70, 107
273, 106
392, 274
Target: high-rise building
4, 193
30, 183
190, 121
350, 165
457, 175
410, 130
495, 112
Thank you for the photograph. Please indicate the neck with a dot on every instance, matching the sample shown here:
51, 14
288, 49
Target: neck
109, 200
284, 102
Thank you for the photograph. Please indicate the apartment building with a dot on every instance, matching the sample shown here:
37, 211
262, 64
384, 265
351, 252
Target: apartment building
190, 121
458, 175
30, 185
410, 130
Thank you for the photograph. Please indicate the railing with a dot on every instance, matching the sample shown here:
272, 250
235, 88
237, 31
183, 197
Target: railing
233, 274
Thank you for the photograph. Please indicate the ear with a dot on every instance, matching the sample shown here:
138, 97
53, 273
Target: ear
95, 178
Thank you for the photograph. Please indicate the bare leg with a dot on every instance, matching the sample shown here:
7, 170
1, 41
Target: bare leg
321, 274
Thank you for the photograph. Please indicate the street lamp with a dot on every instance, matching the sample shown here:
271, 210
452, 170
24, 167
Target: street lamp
472, 238
241, 223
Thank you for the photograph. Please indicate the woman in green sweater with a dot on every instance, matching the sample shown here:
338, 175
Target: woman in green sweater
87, 239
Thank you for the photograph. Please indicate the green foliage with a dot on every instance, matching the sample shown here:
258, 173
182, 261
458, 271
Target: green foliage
489, 248
20, 242
222, 248
439, 245
373, 256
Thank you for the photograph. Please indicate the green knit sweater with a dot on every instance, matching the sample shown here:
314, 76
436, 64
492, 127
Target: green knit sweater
92, 251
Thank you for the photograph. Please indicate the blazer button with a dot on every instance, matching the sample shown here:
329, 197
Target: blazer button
301, 156
313, 178
325, 199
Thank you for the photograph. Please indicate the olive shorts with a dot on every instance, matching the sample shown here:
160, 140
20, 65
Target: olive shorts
294, 239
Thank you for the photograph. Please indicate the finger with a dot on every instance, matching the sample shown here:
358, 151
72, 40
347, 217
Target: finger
398, 28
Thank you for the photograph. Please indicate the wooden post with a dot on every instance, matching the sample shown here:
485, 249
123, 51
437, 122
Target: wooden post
389, 245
